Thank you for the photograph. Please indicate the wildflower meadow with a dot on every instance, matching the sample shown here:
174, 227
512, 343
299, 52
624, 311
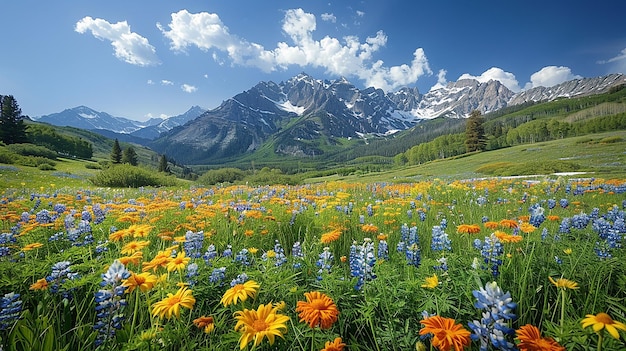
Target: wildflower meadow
484, 264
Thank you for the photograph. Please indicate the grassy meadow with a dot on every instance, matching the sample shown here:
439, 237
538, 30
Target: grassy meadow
439, 256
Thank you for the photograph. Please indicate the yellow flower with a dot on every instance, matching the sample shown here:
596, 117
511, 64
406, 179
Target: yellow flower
253, 250
133, 247
318, 310
431, 282
527, 227
564, 283
170, 306
240, 292
178, 263
255, 325
270, 254
32, 246
144, 281
205, 323
568, 251
603, 321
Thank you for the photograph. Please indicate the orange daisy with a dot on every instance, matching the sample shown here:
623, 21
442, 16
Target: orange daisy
318, 310
335, 345
527, 228
508, 223
331, 236
205, 323
491, 225
41, 284
531, 340
468, 228
507, 238
446, 334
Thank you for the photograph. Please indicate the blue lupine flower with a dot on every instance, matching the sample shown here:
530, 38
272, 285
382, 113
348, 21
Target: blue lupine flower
497, 311
443, 264
602, 227
192, 273
551, 203
61, 271
580, 221
218, 275
10, 310
440, 240
409, 245
99, 214
565, 226
383, 250
210, 254
242, 257
241, 278
444, 223
228, 252
563, 203
280, 257
44, 217
110, 302
297, 254
25, 217
536, 215
492, 250
85, 216
370, 210
193, 244
422, 215
324, 262
6, 243
362, 261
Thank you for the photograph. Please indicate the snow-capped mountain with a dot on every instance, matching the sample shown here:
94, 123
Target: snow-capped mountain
86, 118
301, 115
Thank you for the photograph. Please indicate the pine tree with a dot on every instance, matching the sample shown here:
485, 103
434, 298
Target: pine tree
129, 156
475, 133
116, 152
12, 128
163, 166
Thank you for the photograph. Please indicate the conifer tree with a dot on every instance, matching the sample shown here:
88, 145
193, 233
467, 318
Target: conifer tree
116, 152
163, 166
475, 133
129, 156
12, 128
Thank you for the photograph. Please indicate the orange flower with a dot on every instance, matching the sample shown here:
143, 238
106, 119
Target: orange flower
205, 322
369, 228
41, 284
491, 225
531, 340
134, 258
468, 228
32, 246
507, 238
553, 218
331, 236
527, 227
381, 236
508, 223
446, 334
318, 310
335, 345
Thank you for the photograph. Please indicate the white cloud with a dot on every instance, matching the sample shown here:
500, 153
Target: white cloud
360, 13
347, 57
188, 88
441, 80
129, 47
494, 73
550, 76
150, 82
329, 17
616, 64
166, 82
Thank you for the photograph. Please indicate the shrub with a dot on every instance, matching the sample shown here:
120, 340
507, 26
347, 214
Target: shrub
92, 166
32, 150
611, 140
7, 156
222, 175
46, 167
128, 176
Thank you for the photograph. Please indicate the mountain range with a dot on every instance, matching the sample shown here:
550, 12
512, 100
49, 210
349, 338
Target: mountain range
305, 117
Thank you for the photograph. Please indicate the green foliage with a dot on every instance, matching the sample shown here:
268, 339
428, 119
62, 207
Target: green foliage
116, 152
12, 128
163, 166
475, 132
129, 156
222, 175
270, 176
32, 150
127, 176
46, 167
528, 168
63, 144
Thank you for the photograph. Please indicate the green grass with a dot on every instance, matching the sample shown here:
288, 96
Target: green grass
600, 159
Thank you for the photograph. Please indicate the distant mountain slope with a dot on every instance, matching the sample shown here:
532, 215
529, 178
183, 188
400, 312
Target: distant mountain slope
154, 130
305, 116
86, 118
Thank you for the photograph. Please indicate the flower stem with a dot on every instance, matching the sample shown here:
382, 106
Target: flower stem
600, 339
562, 308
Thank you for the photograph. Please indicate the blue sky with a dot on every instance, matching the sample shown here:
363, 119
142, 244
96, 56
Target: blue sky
147, 58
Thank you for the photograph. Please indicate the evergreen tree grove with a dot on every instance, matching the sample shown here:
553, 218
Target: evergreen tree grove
116, 152
475, 133
12, 128
163, 166
129, 156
